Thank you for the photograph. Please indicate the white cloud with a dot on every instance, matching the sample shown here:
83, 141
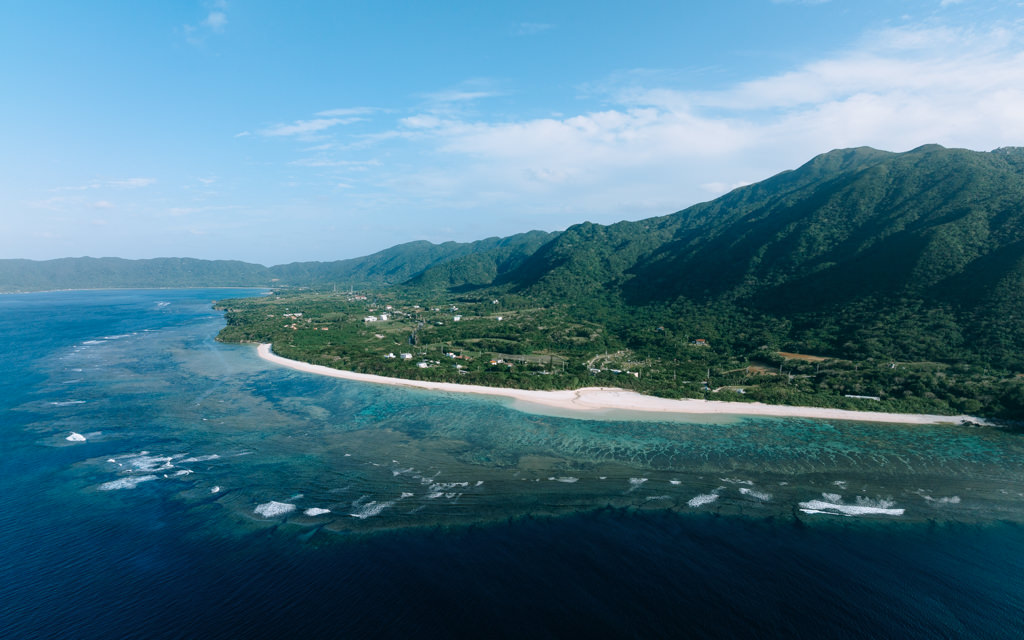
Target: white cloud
124, 183
305, 127
132, 183
658, 147
460, 95
216, 21
348, 111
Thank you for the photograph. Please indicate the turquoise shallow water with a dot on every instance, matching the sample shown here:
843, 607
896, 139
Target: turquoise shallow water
201, 464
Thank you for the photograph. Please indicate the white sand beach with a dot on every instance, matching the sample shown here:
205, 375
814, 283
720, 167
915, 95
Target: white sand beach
593, 400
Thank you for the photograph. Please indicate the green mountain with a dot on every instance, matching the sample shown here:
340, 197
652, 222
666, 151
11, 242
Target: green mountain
865, 253
484, 266
410, 260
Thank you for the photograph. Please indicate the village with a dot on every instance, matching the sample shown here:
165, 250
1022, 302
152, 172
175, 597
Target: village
507, 341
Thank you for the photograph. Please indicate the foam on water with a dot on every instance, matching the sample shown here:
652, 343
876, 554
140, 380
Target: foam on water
566, 479
757, 495
675, 482
634, 483
737, 481
215, 489
94, 342
833, 505
944, 500
67, 403
126, 483
272, 509
316, 511
371, 509
75, 437
702, 499
405, 494
212, 456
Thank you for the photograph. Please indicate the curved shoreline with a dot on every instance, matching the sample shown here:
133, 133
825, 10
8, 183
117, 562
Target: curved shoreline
591, 400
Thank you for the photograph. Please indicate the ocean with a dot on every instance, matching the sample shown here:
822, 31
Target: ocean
158, 484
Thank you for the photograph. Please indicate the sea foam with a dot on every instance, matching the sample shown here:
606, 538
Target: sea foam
634, 483
757, 495
272, 509
832, 505
371, 509
125, 483
316, 511
702, 499
75, 437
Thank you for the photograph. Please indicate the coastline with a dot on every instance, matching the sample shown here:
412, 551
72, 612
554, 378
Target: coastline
588, 401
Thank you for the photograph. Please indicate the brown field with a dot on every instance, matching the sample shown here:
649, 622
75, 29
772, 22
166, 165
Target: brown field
802, 356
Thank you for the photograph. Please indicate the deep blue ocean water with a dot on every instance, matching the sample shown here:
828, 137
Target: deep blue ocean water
183, 512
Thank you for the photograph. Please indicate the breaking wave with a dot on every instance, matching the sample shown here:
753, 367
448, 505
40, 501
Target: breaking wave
272, 509
757, 495
126, 483
833, 505
702, 499
371, 509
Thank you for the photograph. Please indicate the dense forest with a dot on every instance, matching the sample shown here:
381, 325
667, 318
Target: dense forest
863, 279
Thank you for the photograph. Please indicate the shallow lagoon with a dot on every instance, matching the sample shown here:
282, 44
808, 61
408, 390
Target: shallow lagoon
192, 446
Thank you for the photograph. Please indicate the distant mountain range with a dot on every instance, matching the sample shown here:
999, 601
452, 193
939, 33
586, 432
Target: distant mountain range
910, 254
394, 265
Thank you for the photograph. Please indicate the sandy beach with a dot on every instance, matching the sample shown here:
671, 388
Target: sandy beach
590, 401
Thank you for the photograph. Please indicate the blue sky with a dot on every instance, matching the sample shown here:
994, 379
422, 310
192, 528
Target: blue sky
276, 132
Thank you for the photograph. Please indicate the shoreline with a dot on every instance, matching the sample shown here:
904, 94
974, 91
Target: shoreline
588, 401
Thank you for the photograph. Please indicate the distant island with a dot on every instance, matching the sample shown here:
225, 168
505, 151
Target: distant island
863, 280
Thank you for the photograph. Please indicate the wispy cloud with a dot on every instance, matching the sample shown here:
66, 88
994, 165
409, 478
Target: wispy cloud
305, 127
123, 183
347, 111
132, 183
214, 22
658, 146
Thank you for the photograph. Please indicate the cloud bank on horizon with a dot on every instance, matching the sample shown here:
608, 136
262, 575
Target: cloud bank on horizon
252, 133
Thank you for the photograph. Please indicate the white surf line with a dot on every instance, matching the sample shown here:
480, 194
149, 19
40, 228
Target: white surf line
596, 399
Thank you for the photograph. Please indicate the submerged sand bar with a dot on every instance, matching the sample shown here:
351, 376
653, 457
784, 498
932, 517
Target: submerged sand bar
589, 401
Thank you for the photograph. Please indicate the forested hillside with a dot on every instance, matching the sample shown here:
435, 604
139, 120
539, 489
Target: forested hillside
862, 252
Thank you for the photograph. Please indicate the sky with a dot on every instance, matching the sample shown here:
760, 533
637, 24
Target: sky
276, 132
